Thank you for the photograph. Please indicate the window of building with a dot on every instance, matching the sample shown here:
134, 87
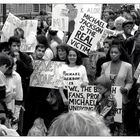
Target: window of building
35, 7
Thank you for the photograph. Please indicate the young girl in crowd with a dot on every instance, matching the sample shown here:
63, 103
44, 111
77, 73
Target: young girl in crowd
73, 73
106, 103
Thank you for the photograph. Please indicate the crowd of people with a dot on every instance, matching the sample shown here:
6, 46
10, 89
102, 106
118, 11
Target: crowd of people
37, 111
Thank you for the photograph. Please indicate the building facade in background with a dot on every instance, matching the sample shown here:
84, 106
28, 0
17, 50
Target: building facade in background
25, 10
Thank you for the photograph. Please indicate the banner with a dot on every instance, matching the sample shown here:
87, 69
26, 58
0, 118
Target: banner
82, 98
115, 90
87, 33
29, 27
59, 17
45, 74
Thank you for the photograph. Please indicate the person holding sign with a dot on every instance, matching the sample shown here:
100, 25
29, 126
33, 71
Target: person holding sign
106, 103
120, 73
73, 73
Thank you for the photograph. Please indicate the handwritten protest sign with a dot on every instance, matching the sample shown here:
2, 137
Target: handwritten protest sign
94, 9
88, 32
9, 26
45, 74
59, 17
82, 98
115, 90
29, 27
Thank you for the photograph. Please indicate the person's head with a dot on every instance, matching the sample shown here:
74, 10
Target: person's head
128, 26
14, 43
40, 51
74, 57
78, 123
5, 62
110, 22
103, 84
41, 39
118, 23
9, 71
117, 52
19, 32
4, 48
62, 52
107, 43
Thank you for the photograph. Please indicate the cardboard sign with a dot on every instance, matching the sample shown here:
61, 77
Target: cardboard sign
59, 17
87, 33
29, 27
107, 32
94, 9
82, 98
11, 23
115, 90
45, 74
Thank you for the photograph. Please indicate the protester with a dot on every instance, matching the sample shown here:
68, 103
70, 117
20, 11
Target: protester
110, 22
41, 39
54, 97
120, 73
5, 63
107, 44
133, 49
4, 48
62, 52
106, 103
35, 102
78, 123
15, 95
127, 28
39, 53
73, 66
118, 25
23, 67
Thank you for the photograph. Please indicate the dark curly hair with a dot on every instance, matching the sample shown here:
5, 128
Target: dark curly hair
118, 44
79, 58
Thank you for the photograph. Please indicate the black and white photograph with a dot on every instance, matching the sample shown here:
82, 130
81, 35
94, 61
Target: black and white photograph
69, 69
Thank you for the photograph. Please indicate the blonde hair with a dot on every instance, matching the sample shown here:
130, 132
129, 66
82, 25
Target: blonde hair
78, 123
38, 128
119, 19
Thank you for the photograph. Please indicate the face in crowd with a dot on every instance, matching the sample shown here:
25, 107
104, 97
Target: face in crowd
128, 28
115, 53
106, 47
15, 47
72, 57
62, 54
40, 52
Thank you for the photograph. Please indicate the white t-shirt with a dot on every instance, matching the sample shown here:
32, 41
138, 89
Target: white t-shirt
14, 86
72, 75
